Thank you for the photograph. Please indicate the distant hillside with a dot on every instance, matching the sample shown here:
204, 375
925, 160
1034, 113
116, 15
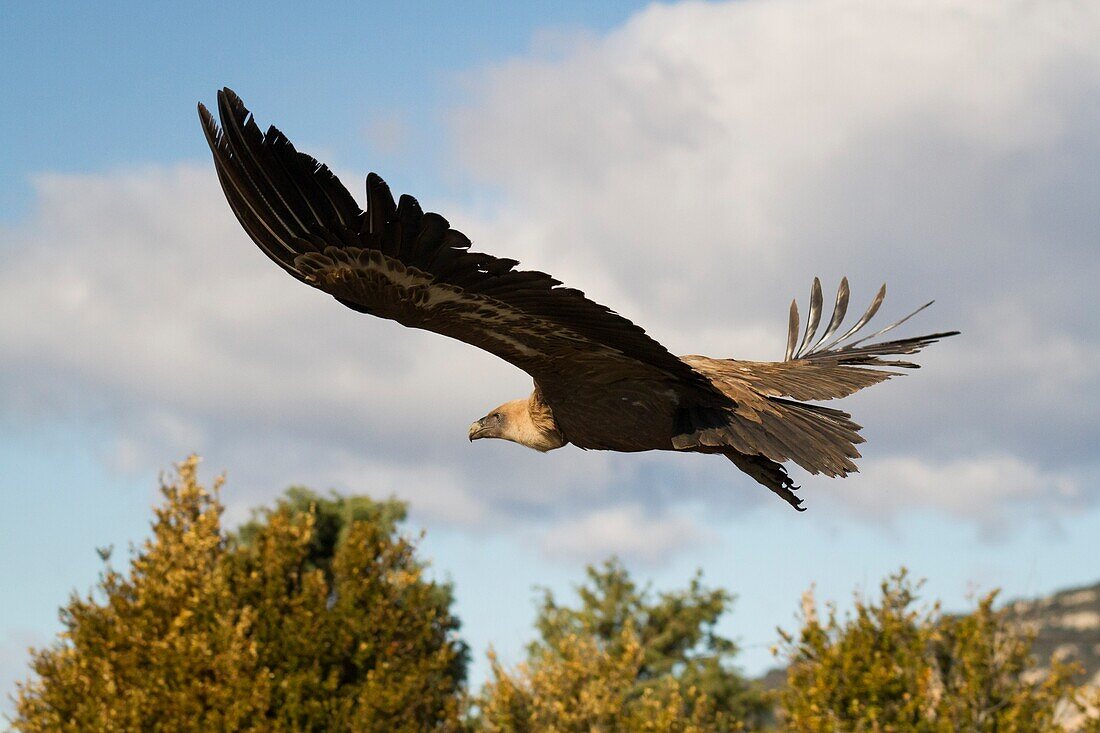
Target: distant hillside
1067, 625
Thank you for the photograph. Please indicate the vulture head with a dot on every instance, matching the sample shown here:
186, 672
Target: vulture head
528, 422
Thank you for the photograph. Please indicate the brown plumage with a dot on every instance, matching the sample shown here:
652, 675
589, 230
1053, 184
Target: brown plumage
600, 382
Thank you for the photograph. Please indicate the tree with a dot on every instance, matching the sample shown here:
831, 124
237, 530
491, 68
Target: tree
895, 666
260, 631
582, 686
333, 517
661, 650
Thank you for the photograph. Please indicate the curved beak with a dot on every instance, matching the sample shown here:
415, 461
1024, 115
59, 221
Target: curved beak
478, 430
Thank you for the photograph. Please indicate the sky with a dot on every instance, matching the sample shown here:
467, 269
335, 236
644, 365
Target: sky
692, 165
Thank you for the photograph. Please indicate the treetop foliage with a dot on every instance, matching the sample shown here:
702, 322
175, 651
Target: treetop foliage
333, 517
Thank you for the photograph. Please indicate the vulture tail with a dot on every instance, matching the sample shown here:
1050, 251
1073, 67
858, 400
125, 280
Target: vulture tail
819, 439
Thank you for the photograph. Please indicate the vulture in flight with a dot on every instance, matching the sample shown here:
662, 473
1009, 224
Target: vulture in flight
600, 382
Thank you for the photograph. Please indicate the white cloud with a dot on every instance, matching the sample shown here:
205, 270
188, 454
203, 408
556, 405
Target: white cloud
694, 169
625, 530
986, 489
699, 165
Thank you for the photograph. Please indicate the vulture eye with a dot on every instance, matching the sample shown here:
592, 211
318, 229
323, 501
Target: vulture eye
496, 416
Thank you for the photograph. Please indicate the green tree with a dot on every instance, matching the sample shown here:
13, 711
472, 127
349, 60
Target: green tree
209, 631
893, 665
668, 642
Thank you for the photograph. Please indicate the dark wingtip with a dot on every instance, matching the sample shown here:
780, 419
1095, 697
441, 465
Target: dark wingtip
231, 108
379, 190
209, 126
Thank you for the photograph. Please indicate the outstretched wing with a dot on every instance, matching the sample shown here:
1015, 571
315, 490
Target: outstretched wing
395, 261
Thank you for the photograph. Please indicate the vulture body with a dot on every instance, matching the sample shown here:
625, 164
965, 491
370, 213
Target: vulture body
600, 382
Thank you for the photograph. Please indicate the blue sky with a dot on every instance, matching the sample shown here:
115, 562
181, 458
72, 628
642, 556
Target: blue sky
693, 165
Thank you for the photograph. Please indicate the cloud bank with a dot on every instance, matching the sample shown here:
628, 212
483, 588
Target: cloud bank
694, 169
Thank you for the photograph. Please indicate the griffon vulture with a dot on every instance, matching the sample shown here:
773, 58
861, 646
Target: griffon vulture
599, 381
